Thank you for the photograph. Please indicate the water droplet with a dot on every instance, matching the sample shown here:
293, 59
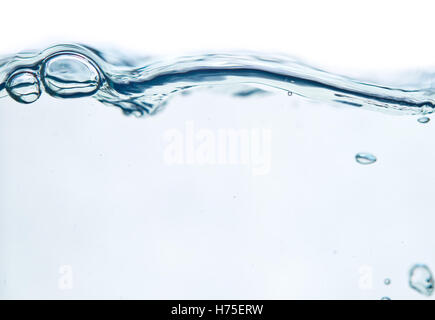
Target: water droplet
421, 280
423, 120
69, 75
387, 281
23, 86
385, 298
365, 158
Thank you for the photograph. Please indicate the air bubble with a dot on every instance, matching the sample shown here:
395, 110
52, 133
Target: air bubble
70, 75
289, 93
385, 298
387, 281
423, 120
365, 158
23, 86
421, 280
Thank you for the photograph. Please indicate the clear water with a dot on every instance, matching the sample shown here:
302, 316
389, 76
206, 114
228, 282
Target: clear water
142, 87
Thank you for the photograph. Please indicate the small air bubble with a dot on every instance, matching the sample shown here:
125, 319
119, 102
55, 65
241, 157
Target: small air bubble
23, 86
423, 120
421, 280
289, 93
387, 281
365, 158
137, 113
385, 298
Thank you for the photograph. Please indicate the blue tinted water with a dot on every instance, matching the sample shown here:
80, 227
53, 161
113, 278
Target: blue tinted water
143, 86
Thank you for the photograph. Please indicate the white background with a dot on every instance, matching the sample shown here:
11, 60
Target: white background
85, 187
343, 34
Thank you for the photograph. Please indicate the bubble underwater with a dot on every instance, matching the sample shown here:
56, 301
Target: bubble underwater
421, 279
365, 158
142, 87
423, 120
24, 87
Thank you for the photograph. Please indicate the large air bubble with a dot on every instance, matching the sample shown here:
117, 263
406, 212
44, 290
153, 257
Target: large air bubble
421, 279
69, 75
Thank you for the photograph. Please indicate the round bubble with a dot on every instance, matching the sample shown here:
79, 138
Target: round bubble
69, 75
23, 86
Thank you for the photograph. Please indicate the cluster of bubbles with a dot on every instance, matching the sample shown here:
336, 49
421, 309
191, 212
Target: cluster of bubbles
63, 75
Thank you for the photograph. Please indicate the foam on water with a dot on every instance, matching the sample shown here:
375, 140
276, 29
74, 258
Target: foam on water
72, 71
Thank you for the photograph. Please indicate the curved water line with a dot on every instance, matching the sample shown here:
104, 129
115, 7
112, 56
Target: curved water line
73, 71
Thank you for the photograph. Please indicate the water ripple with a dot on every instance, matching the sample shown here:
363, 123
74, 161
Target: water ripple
143, 86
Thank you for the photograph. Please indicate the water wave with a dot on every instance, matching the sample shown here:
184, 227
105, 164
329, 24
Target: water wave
143, 86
